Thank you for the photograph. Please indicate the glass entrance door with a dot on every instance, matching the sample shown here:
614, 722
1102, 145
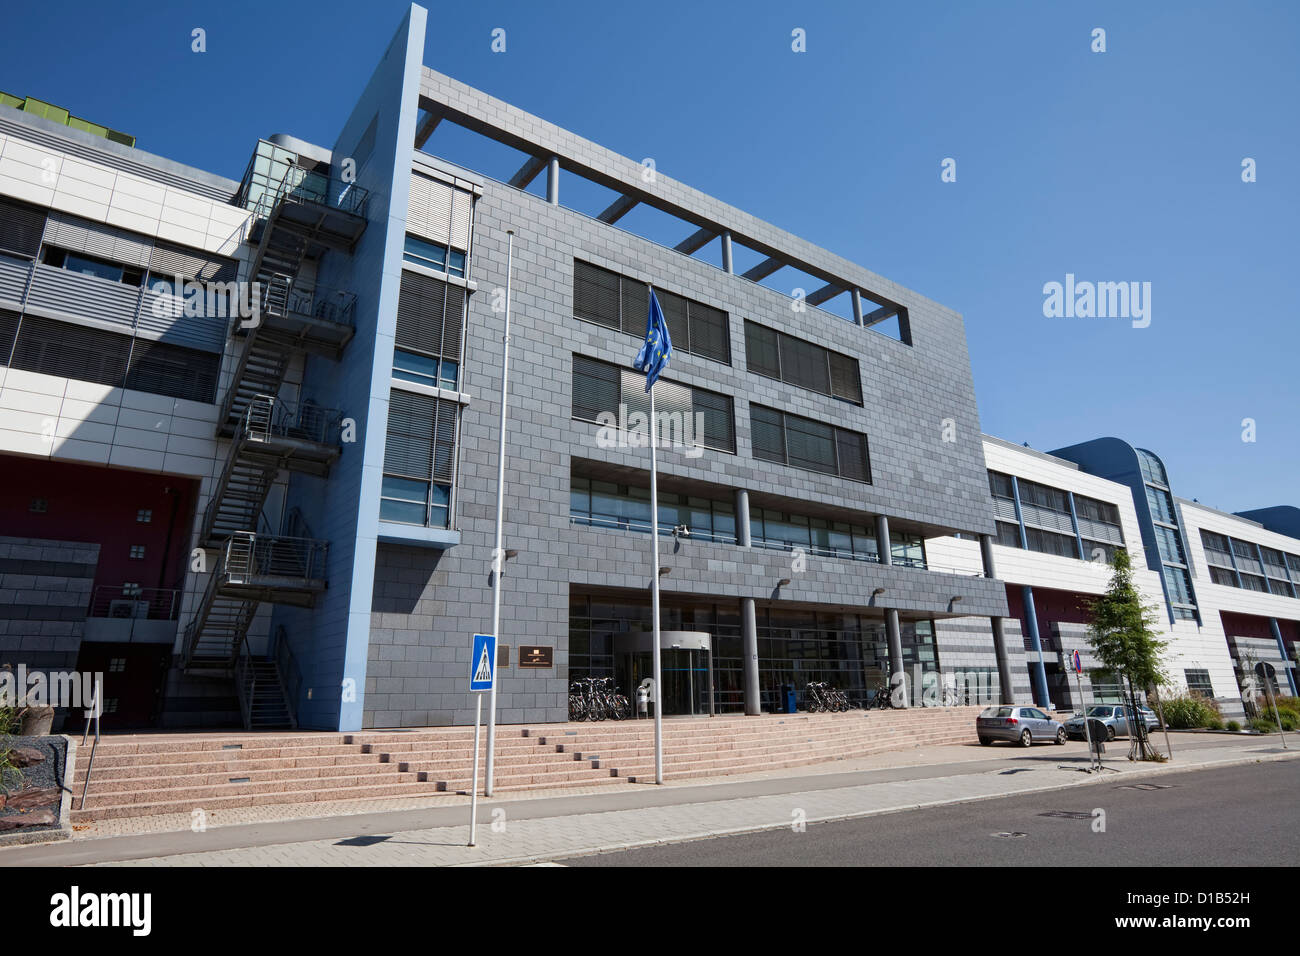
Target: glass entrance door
685, 677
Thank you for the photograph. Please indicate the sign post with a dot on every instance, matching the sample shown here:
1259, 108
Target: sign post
482, 677
1266, 674
1077, 663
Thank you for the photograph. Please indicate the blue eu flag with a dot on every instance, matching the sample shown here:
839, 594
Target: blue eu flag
658, 347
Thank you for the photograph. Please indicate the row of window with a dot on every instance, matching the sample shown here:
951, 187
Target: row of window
430, 332
1095, 518
606, 504
107, 358
804, 443
1236, 564
797, 362
419, 459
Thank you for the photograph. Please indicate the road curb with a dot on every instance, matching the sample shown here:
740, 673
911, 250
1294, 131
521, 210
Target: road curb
861, 814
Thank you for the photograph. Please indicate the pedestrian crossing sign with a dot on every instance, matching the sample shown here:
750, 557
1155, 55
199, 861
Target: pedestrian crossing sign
482, 662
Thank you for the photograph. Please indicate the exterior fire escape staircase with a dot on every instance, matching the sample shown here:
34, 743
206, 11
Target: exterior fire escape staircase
296, 221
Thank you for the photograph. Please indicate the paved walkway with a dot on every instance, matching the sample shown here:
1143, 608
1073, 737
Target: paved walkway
529, 830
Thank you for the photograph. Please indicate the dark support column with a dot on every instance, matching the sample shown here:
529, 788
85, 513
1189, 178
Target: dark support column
726, 252
895, 650
857, 306
1281, 649
553, 181
1039, 672
999, 632
882, 540
749, 634
742, 518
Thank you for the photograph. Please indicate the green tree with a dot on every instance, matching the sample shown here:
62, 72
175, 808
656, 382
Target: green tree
1124, 638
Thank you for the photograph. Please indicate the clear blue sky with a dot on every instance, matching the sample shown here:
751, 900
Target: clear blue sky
1115, 166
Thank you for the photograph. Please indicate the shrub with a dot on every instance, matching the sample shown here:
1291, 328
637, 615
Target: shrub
1185, 711
1215, 724
1288, 705
1234, 725
1262, 725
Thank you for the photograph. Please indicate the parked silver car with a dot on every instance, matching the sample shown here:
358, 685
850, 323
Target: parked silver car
1015, 724
1115, 717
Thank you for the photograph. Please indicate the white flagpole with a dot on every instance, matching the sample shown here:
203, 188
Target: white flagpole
498, 556
654, 599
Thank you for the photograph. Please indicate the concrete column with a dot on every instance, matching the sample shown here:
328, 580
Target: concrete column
857, 306
742, 518
553, 181
882, 540
749, 635
726, 252
1037, 668
999, 631
895, 636
1281, 649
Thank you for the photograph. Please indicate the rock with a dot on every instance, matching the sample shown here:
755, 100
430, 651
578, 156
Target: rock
37, 818
25, 756
3, 798
27, 799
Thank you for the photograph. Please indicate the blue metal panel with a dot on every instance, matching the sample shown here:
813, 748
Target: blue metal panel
1037, 668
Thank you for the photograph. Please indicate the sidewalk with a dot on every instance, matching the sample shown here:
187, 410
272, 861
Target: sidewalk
533, 830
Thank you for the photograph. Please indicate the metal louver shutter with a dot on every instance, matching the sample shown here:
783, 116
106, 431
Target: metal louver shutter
845, 382
804, 364
8, 328
635, 298
429, 210
674, 307
767, 433
98, 240
21, 226
710, 333
71, 351
718, 420
595, 294
422, 308
762, 353
170, 260
595, 388
810, 444
462, 209
421, 437
854, 461
174, 371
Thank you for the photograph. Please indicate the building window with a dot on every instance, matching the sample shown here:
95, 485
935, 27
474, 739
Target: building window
1008, 534
419, 460
803, 443
443, 258
1224, 576
907, 549
1198, 682
137, 552
116, 665
792, 360
620, 302
144, 515
1092, 550
1152, 469
92, 266
605, 504
686, 415
131, 589
38, 506
782, 531
1050, 542
1162, 505
430, 326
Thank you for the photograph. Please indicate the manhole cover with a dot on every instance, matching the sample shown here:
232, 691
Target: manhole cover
1068, 814
1011, 835
362, 841
1146, 786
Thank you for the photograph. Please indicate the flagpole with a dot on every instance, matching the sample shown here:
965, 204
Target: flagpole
498, 556
654, 575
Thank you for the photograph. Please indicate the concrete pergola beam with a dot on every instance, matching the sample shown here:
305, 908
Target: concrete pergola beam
824, 294
529, 171
763, 269
880, 315
619, 208
427, 127
696, 240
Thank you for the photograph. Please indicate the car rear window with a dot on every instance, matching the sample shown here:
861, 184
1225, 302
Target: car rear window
996, 712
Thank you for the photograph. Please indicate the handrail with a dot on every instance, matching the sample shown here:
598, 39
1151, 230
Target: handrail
281, 297
96, 708
118, 601
267, 416
290, 676
301, 186
247, 555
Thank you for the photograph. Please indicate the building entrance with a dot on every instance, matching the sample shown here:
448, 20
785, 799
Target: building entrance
686, 663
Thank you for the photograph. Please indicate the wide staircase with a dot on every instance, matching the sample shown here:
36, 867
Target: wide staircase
298, 218
157, 774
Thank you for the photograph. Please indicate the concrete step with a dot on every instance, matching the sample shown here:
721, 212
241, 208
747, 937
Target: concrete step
196, 795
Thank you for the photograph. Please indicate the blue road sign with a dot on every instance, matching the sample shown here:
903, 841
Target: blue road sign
483, 662
1078, 663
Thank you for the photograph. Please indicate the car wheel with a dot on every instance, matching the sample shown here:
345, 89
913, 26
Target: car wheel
1060, 737
1110, 732
1026, 739
986, 742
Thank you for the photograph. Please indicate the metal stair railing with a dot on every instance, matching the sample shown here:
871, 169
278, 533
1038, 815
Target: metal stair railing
286, 669
245, 683
281, 296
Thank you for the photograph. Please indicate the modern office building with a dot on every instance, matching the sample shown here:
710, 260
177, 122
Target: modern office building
249, 427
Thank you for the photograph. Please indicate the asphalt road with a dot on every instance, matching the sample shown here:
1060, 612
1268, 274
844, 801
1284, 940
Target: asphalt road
1235, 816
